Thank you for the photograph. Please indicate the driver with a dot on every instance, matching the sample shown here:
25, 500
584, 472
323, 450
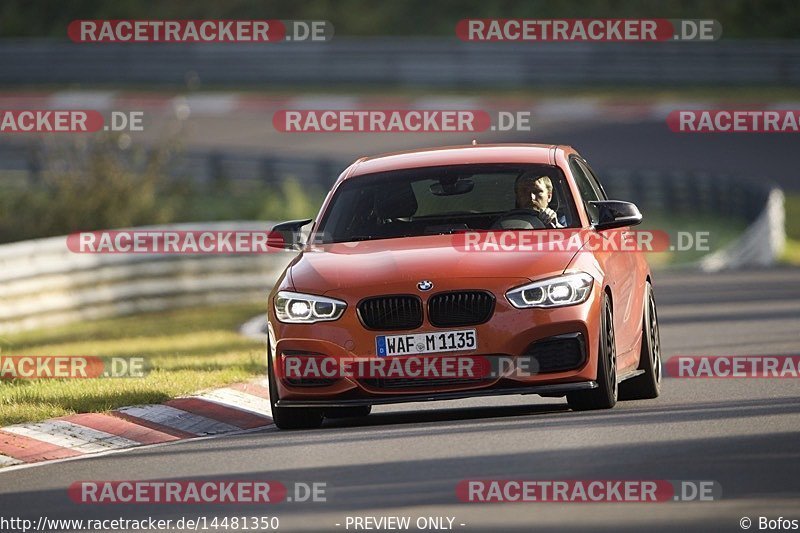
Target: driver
535, 193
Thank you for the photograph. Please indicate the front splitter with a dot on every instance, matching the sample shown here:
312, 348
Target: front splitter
550, 390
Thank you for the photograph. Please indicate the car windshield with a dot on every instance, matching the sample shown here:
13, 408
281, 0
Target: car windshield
435, 200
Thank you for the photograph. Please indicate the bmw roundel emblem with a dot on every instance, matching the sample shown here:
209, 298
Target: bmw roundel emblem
425, 285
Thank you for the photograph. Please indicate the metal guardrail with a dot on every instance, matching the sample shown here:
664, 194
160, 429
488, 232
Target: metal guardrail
757, 203
688, 193
43, 284
26, 161
403, 61
759, 245
680, 190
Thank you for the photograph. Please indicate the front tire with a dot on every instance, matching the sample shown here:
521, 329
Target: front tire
290, 417
648, 385
605, 395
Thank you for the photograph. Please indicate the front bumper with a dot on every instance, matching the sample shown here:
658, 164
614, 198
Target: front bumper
547, 390
508, 334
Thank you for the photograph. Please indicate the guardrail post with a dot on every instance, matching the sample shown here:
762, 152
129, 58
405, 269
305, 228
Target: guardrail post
219, 179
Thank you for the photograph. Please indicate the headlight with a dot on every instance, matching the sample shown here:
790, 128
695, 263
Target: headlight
564, 290
297, 308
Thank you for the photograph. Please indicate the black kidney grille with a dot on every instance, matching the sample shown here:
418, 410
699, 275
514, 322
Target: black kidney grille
391, 312
460, 308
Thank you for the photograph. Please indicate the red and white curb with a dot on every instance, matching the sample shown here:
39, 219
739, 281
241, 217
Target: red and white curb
222, 411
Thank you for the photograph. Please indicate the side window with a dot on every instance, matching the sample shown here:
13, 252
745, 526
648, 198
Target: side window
588, 192
593, 179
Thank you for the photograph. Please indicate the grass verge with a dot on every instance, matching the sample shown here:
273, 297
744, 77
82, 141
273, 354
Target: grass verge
791, 254
684, 230
185, 351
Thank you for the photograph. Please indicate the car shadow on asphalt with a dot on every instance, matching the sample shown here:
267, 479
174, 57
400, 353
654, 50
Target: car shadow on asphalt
746, 466
412, 416
558, 415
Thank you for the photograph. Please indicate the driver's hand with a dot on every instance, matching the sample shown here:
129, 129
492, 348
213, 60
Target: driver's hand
548, 216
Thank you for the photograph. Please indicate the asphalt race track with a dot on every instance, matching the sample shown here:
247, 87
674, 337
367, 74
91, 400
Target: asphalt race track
650, 145
645, 144
406, 460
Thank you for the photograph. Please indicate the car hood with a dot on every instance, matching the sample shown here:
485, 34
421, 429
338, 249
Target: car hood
332, 267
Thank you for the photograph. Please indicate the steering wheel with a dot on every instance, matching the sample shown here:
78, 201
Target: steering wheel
520, 218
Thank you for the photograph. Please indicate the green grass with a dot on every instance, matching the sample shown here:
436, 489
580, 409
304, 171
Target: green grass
791, 254
792, 207
185, 351
237, 200
721, 232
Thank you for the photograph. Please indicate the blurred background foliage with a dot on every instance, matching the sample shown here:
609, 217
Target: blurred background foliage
101, 183
739, 18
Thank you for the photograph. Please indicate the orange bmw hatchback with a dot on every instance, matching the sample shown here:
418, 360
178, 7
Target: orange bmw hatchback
461, 272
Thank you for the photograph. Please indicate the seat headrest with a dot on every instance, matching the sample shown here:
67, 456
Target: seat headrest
513, 223
396, 201
518, 219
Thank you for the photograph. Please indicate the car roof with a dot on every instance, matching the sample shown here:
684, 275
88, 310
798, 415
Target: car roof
457, 155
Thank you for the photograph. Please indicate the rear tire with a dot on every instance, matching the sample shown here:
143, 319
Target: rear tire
648, 385
605, 395
290, 417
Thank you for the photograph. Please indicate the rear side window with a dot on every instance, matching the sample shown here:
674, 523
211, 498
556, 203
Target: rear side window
593, 179
588, 191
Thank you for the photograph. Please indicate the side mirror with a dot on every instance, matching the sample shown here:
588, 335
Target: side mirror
287, 235
615, 214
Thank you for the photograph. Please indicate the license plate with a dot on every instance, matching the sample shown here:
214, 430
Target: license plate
417, 343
